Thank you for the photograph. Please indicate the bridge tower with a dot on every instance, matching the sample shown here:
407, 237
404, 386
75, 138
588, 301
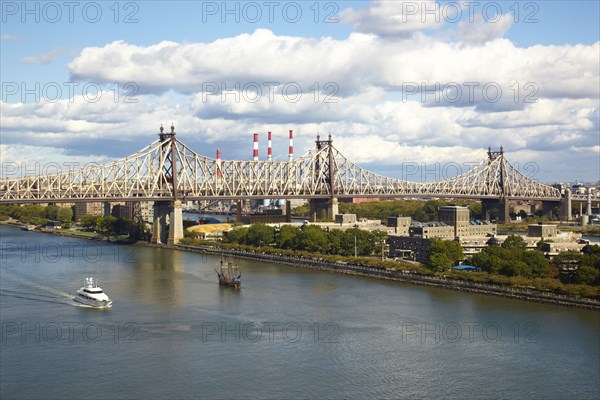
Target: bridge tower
325, 168
168, 208
497, 176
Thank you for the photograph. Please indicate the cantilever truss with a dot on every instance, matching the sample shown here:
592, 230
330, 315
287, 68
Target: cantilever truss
322, 172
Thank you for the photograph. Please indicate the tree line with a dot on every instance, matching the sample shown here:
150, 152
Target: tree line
579, 267
40, 215
511, 259
311, 238
111, 225
37, 215
418, 210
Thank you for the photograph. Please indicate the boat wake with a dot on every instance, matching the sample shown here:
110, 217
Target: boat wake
32, 297
34, 291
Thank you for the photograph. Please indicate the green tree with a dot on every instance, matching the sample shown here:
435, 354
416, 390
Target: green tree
64, 215
514, 242
138, 231
379, 239
287, 237
121, 226
537, 263
335, 239
489, 260
90, 222
301, 211
440, 262
51, 213
260, 235
312, 238
444, 253
587, 275
475, 210
107, 224
238, 235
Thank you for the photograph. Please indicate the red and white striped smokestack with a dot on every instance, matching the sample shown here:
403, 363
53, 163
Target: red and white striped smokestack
218, 162
291, 145
269, 149
255, 154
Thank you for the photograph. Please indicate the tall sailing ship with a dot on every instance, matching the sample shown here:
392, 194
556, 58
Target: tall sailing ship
229, 274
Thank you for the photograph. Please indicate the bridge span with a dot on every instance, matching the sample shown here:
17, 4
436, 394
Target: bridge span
168, 173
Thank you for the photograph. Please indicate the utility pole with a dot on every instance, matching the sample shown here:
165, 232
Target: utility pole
355, 245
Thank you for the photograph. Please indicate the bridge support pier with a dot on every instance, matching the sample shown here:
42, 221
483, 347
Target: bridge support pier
238, 211
566, 213
159, 225
172, 210
318, 205
491, 207
175, 223
588, 211
288, 211
548, 208
107, 208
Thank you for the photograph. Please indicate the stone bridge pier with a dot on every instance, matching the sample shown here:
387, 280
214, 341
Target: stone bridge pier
566, 212
502, 207
548, 207
317, 206
167, 212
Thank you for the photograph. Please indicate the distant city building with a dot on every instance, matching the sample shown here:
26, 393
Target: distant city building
121, 211
82, 209
145, 210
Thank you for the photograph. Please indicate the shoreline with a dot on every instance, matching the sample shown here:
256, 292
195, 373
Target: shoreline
348, 269
398, 276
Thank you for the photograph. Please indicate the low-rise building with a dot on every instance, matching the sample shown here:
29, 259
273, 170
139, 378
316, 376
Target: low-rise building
407, 247
542, 230
428, 230
399, 224
454, 224
345, 219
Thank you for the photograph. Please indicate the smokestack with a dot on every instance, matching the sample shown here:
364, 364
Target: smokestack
291, 145
269, 149
218, 162
255, 147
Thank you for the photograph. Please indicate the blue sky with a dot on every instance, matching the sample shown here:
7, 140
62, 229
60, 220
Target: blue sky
370, 50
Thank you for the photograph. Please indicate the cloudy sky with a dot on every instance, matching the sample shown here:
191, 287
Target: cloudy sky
398, 84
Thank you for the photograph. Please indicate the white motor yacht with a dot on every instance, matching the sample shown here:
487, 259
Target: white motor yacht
92, 295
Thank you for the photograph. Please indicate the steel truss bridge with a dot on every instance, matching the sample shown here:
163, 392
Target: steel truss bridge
168, 170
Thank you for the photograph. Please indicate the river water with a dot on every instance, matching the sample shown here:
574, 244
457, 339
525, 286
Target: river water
288, 333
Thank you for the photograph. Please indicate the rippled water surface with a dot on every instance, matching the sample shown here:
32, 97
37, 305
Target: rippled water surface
288, 333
